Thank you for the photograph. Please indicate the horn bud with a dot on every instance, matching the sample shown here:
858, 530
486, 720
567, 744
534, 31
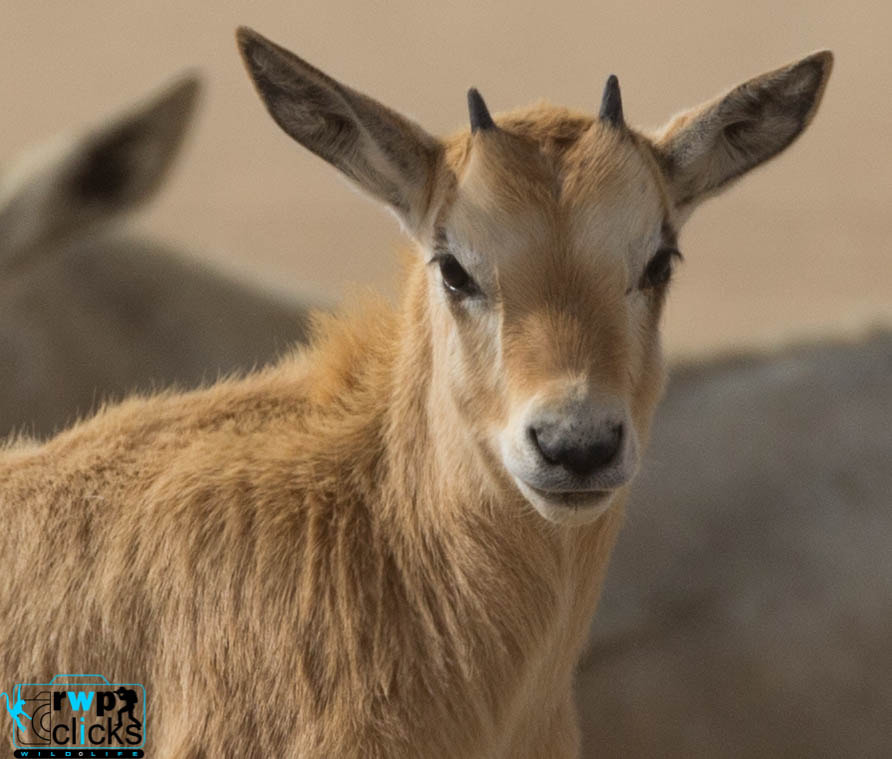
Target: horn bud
611, 103
479, 113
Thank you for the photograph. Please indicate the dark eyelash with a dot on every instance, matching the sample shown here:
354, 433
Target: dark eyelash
658, 270
456, 279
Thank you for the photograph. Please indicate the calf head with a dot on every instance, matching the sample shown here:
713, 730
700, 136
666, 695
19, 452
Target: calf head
549, 238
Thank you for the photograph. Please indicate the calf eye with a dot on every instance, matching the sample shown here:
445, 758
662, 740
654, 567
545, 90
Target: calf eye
455, 278
659, 269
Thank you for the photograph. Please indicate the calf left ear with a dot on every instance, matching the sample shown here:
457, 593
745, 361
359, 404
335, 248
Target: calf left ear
702, 150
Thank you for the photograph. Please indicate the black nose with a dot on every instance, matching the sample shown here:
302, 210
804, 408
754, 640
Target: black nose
580, 456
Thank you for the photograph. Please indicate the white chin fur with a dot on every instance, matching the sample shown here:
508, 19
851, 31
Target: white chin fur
576, 508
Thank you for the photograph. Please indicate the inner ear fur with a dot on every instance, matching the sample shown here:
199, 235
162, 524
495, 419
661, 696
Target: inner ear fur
704, 149
383, 152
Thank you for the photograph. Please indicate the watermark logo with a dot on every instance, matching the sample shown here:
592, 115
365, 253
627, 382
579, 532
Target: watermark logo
77, 716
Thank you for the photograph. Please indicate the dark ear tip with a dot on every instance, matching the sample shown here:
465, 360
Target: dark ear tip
172, 106
185, 89
826, 59
247, 40
244, 35
181, 97
819, 63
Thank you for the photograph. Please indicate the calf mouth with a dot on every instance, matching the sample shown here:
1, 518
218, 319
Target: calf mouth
576, 499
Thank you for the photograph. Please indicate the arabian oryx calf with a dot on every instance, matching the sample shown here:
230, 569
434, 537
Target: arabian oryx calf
390, 544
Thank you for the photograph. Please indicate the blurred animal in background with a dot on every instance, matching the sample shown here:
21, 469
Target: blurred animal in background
748, 605
90, 312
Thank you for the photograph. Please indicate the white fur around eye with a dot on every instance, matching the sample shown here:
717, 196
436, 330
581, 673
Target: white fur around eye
476, 264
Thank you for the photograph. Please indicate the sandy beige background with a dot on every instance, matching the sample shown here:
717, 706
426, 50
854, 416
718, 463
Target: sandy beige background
800, 247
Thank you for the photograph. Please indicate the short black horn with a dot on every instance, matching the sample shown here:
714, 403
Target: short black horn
611, 103
480, 118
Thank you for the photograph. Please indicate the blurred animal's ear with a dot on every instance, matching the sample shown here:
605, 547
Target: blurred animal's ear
384, 153
704, 149
73, 184
124, 161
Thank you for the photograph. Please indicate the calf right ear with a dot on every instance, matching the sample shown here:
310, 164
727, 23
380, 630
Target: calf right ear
384, 153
